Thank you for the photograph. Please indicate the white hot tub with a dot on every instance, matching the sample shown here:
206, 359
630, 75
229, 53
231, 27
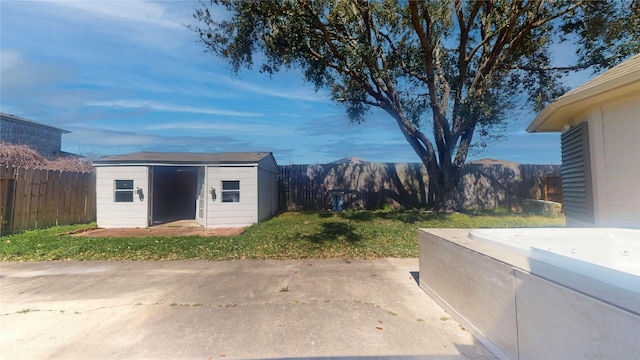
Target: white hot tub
609, 255
539, 293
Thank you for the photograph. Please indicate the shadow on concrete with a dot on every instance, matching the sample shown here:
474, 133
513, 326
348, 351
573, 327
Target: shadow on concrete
416, 276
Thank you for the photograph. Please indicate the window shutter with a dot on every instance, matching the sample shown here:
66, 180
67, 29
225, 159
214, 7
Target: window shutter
577, 192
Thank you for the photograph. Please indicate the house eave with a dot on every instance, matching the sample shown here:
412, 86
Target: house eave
609, 86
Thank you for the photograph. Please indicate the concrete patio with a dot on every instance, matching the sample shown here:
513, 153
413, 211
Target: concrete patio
231, 309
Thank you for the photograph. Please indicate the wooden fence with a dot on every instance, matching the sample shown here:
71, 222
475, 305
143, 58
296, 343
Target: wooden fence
507, 185
36, 198
375, 185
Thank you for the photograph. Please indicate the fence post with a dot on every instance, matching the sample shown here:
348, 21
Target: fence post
7, 198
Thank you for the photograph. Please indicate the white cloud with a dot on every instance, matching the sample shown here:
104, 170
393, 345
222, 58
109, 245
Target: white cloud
84, 26
339, 124
243, 128
143, 12
291, 94
20, 75
151, 105
104, 141
9, 59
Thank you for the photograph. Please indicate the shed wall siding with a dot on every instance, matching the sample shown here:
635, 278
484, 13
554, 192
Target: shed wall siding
268, 163
110, 214
620, 128
267, 194
243, 213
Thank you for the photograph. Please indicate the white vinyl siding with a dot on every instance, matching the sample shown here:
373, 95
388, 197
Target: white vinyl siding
268, 188
112, 214
267, 194
233, 214
621, 127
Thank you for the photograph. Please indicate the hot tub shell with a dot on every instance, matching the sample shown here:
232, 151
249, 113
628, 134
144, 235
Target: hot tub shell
527, 308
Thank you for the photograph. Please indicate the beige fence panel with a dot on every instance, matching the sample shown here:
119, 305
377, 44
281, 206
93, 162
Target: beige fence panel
502, 185
375, 185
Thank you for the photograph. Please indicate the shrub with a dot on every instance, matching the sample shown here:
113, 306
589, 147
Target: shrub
22, 156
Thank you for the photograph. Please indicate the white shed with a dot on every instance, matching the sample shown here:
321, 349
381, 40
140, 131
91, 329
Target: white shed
214, 189
600, 125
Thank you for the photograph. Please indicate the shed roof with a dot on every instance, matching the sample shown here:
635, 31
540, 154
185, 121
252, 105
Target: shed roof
17, 119
184, 158
619, 80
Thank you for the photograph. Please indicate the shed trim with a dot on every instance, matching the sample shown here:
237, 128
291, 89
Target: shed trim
183, 158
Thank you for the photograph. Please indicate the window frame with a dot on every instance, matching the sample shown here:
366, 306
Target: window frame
123, 190
229, 192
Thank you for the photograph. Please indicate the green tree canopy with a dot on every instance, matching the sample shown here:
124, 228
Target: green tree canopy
444, 70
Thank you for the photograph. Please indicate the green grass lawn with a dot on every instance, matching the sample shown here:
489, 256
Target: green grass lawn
351, 234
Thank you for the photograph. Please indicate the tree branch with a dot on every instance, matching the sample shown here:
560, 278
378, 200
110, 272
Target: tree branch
441, 126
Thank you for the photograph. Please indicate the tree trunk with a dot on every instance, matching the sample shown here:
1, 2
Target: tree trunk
443, 187
443, 178
446, 201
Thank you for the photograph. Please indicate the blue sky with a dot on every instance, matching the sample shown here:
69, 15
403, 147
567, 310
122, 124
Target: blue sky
127, 76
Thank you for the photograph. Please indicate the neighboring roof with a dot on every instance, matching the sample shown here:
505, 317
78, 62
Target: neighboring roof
184, 158
349, 160
13, 118
620, 80
490, 161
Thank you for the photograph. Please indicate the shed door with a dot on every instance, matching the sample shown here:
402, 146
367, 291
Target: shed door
201, 202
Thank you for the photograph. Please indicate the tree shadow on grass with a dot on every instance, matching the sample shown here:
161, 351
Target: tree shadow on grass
405, 216
326, 214
334, 232
358, 215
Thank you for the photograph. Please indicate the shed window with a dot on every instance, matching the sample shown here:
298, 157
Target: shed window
231, 191
123, 191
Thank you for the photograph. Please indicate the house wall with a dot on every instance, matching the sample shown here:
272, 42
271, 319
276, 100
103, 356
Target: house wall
44, 140
240, 214
110, 214
616, 169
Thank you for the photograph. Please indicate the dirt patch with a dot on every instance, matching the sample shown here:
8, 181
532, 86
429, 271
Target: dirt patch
160, 231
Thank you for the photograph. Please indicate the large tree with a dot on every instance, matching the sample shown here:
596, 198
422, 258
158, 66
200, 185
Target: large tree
446, 71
